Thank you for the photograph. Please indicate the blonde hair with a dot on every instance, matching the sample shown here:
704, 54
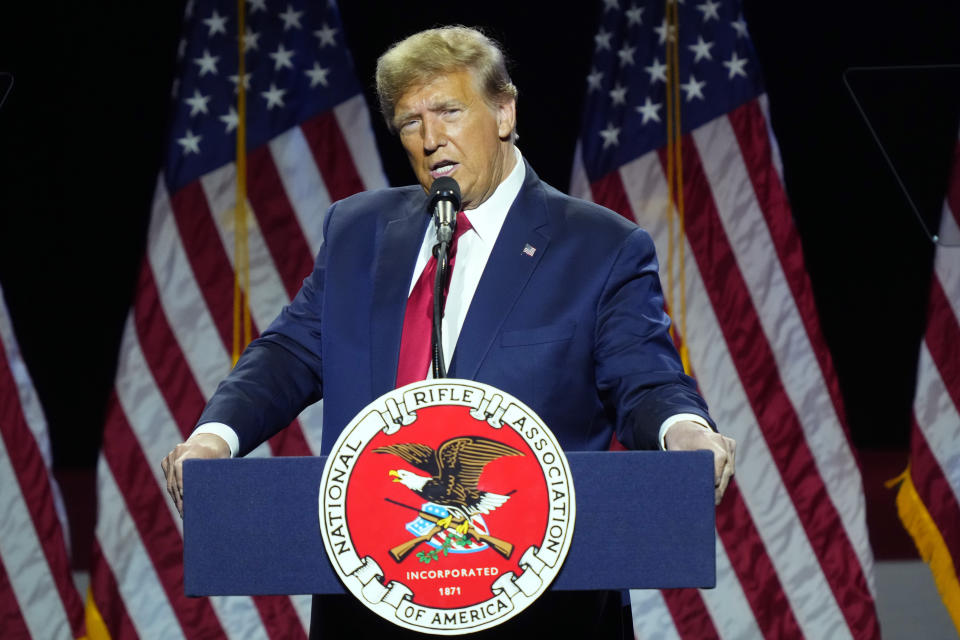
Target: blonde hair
425, 55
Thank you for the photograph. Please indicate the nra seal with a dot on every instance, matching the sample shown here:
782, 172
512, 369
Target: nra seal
447, 506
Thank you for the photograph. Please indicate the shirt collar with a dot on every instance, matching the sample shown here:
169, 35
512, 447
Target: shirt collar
487, 219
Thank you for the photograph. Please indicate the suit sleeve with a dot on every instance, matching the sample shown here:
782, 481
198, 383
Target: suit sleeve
280, 373
638, 370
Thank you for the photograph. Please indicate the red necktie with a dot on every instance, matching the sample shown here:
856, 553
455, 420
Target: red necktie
418, 318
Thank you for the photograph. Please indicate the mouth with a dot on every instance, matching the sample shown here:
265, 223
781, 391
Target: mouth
443, 168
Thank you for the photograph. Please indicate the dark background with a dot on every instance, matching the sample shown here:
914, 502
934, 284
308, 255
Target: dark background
81, 136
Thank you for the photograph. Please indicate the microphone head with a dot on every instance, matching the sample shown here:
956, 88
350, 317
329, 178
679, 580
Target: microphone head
445, 189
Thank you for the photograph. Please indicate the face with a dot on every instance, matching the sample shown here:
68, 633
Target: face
448, 129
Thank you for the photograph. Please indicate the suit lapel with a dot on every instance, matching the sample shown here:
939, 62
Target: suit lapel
396, 256
505, 276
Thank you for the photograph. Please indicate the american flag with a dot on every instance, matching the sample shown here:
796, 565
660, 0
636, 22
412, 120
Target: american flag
309, 142
793, 557
929, 495
37, 596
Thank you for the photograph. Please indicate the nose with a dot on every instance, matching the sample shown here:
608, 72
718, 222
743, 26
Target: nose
434, 135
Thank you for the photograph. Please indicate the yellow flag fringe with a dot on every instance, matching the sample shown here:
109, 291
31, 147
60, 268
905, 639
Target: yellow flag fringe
929, 541
96, 627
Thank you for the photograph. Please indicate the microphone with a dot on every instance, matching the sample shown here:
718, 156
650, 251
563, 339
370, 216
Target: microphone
444, 204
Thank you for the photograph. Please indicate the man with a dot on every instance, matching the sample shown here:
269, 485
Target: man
555, 300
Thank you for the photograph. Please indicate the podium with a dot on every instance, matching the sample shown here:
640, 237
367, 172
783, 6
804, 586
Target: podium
644, 520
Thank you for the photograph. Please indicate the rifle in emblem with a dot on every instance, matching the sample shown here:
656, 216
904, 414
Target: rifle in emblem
404, 549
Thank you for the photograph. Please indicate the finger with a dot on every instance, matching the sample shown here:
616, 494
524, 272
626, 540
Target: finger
732, 448
729, 468
178, 485
725, 478
720, 460
167, 465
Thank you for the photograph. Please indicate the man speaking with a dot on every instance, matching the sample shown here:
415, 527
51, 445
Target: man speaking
555, 300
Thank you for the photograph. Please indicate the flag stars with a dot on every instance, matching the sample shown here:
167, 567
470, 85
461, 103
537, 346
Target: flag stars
735, 66
634, 15
594, 80
216, 23
326, 35
231, 119
665, 31
251, 40
207, 63
282, 58
610, 4
626, 55
274, 96
317, 75
657, 71
649, 110
602, 40
709, 9
693, 88
257, 5
701, 49
198, 103
190, 143
291, 18
740, 26
618, 94
235, 79
610, 136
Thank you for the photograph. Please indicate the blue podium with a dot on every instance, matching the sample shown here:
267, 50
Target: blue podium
644, 520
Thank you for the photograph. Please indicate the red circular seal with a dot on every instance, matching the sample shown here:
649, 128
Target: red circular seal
447, 506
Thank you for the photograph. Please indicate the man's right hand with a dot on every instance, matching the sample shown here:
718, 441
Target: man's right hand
199, 445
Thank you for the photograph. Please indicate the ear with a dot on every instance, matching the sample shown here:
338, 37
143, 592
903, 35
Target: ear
506, 118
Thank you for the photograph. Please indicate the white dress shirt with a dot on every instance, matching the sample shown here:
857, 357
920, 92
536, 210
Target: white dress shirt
473, 250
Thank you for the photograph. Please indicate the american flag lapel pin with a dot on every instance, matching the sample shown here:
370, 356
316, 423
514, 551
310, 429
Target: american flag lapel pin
529, 249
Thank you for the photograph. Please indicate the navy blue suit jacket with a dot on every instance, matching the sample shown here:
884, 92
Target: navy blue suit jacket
576, 330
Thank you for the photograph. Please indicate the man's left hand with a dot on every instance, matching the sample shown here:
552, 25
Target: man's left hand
690, 436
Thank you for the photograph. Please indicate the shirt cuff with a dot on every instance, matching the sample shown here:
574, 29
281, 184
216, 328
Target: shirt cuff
230, 436
680, 417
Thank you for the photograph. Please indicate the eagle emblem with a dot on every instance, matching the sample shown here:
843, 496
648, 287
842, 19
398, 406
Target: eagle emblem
446, 506
454, 470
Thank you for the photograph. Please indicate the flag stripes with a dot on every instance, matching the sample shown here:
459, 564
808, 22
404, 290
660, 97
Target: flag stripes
154, 525
175, 350
112, 610
689, 614
281, 229
742, 323
302, 183
757, 152
332, 156
11, 618
932, 483
652, 619
755, 571
733, 610
37, 594
754, 341
929, 496
942, 336
198, 233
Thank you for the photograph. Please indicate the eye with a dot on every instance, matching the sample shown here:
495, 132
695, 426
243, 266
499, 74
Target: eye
408, 126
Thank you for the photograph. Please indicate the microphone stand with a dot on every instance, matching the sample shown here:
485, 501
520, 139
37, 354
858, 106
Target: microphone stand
442, 253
